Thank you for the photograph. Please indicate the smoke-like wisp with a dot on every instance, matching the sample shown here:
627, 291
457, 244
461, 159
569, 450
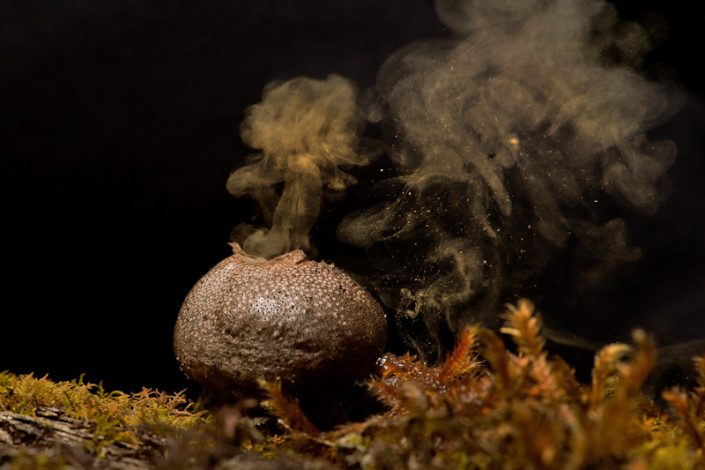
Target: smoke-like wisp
306, 129
508, 141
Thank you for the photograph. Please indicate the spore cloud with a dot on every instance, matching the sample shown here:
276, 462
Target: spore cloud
523, 131
305, 130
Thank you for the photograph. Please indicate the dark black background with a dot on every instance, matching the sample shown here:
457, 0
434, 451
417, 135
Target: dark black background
120, 129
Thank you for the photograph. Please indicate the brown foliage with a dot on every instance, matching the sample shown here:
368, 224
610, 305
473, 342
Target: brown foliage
487, 407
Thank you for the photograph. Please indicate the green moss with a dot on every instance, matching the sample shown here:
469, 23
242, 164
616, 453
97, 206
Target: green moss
115, 416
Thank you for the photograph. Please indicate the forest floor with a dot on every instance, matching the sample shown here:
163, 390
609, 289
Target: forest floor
485, 406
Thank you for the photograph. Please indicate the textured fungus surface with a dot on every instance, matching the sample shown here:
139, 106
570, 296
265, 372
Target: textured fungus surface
303, 322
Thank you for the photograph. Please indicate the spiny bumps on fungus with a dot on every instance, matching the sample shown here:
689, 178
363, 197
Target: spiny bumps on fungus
304, 323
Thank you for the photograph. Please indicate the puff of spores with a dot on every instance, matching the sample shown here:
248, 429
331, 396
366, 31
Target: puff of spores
303, 322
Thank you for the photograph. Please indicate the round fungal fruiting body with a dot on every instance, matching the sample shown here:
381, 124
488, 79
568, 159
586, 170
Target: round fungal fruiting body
305, 323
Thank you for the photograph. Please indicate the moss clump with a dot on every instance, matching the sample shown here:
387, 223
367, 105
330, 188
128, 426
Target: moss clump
487, 407
113, 416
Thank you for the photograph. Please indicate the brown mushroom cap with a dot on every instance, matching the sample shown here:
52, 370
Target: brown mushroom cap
303, 322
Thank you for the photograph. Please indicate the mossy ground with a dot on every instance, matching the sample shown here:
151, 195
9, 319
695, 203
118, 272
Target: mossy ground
115, 414
483, 407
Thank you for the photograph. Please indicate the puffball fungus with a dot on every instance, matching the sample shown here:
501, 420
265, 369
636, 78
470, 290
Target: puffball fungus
303, 322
